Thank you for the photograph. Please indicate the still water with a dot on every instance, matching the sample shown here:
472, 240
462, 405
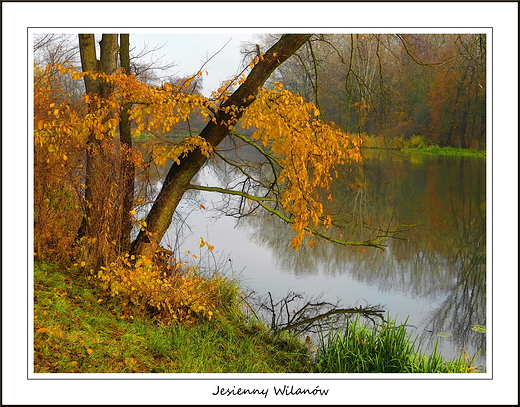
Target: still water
433, 275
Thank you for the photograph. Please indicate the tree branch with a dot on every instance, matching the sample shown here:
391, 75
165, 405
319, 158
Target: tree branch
287, 315
377, 242
417, 60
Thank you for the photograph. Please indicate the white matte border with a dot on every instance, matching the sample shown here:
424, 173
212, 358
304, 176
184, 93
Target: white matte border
288, 17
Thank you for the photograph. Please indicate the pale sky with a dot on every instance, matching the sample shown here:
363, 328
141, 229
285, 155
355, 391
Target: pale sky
190, 51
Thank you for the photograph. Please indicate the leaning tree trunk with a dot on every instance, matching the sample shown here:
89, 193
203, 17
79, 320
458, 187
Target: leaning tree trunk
179, 176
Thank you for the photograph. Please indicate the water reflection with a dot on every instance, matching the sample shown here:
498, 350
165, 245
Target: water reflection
443, 257
436, 273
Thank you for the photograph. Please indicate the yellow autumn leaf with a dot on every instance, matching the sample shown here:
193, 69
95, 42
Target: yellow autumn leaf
90, 351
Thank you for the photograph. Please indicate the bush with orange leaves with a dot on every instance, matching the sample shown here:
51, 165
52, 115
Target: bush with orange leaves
166, 292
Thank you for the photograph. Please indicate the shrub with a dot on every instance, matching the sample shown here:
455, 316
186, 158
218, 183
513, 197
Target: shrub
417, 142
166, 292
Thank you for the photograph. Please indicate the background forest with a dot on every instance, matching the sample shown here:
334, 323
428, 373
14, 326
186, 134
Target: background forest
396, 85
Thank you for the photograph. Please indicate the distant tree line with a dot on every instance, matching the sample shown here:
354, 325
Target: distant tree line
395, 85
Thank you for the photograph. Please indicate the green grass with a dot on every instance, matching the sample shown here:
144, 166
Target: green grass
175, 136
382, 348
436, 150
417, 144
77, 329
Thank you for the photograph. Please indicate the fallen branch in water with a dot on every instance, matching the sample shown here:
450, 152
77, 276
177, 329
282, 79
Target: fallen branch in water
368, 313
311, 317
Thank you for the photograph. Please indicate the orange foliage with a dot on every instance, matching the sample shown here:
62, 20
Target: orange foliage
164, 292
57, 174
307, 149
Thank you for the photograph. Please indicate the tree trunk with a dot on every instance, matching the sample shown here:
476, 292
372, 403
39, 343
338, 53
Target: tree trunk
179, 176
108, 59
89, 62
106, 64
127, 166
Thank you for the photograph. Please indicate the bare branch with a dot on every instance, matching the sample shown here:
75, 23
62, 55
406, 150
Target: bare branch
146, 69
377, 242
416, 59
42, 40
288, 314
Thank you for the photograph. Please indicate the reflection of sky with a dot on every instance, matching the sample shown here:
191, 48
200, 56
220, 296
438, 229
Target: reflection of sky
190, 51
258, 269
273, 266
261, 271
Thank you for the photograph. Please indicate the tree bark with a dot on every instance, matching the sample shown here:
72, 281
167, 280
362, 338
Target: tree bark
89, 62
109, 49
179, 176
106, 64
127, 166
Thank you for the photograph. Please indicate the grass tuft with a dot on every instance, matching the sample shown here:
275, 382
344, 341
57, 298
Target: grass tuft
381, 348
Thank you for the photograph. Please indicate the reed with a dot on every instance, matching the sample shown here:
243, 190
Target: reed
381, 348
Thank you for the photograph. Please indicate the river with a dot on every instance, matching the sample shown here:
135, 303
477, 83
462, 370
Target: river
433, 275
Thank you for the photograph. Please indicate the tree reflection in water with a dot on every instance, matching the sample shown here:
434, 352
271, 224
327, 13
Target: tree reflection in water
440, 262
443, 257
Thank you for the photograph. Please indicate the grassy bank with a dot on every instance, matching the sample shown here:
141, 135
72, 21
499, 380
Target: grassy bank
78, 328
436, 150
174, 136
417, 144
382, 348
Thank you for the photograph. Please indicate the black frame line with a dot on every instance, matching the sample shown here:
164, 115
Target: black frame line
286, 376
